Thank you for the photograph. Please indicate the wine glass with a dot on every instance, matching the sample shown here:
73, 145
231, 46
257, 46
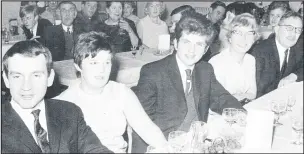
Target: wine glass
291, 103
133, 51
241, 119
177, 140
297, 129
199, 132
279, 108
229, 115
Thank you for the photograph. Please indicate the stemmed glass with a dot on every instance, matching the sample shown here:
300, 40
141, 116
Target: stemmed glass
177, 140
291, 103
297, 129
279, 108
229, 115
199, 132
133, 51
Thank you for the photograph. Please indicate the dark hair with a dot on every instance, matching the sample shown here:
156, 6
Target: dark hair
216, 4
66, 2
132, 4
284, 5
182, 9
28, 48
195, 23
109, 3
90, 44
28, 9
290, 14
237, 8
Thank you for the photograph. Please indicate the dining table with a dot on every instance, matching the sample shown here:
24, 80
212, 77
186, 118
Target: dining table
127, 67
282, 135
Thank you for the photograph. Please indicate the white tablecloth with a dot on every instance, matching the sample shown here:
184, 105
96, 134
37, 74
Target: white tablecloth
282, 134
128, 67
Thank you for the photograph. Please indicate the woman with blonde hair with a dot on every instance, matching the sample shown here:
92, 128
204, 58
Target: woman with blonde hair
150, 27
234, 67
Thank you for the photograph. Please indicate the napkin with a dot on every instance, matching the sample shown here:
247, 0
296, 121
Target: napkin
259, 129
164, 42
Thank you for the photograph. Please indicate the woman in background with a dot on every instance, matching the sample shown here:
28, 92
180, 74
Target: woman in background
150, 27
234, 68
122, 31
129, 8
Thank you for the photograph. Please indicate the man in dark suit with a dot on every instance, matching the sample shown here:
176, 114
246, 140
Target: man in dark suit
279, 59
60, 39
86, 18
31, 124
33, 25
181, 88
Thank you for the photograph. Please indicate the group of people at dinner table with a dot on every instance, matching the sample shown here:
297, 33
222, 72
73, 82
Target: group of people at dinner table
93, 114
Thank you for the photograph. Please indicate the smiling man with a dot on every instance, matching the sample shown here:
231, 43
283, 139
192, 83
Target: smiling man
181, 88
33, 25
279, 59
31, 124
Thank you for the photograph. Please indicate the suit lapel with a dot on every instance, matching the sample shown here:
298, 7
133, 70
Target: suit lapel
276, 58
196, 85
54, 127
14, 126
39, 29
175, 76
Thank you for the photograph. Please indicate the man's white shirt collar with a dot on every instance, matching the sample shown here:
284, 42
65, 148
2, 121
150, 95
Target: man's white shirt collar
28, 118
281, 52
65, 28
182, 69
34, 29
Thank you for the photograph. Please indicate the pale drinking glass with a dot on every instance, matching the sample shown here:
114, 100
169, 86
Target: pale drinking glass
297, 130
199, 132
229, 115
279, 108
291, 103
177, 140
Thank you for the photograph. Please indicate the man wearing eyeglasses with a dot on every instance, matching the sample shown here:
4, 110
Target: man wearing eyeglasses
279, 59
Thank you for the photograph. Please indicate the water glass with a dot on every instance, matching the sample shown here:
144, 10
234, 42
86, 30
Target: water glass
198, 132
279, 108
229, 115
241, 119
297, 129
177, 140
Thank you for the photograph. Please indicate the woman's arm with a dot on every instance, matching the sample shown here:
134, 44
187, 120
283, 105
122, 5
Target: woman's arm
141, 123
139, 28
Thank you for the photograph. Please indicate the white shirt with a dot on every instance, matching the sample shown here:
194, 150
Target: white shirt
236, 78
34, 29
65, 28
281, 51
28, 117
182, 69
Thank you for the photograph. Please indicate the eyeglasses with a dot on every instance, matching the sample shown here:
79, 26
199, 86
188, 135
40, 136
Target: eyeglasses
291, 28
248, 34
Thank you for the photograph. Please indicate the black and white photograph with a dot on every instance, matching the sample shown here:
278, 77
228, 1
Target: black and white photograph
183, 76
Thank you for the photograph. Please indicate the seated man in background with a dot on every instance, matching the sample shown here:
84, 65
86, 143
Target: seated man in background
84, 17
60, 39
33, 26
181, 88
279, 59
177, 14
31, 124
51, 12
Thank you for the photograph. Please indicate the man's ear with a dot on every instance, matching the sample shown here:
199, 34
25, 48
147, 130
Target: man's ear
51, 78
77, 67
36, 18
206, 49
175, 44
5, 79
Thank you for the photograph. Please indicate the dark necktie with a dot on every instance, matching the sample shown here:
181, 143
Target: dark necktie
41, 134
188, 81
284, 65
68, 30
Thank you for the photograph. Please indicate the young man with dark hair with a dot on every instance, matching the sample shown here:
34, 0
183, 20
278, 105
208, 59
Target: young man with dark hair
181, 88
